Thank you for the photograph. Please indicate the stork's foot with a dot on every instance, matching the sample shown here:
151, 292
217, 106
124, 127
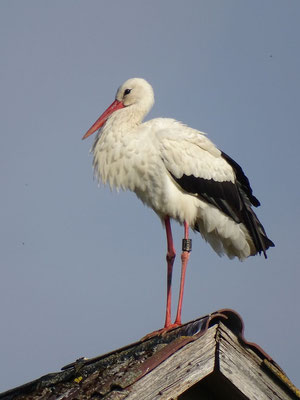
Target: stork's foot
161, 332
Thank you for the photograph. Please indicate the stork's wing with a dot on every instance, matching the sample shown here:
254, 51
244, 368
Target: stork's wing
199, 168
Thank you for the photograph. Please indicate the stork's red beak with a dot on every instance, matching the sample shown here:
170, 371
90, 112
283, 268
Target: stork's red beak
116, 105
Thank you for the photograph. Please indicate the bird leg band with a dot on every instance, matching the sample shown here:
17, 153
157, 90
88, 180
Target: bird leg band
187, 245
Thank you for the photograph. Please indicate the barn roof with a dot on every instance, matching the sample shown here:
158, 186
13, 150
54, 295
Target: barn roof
208, 355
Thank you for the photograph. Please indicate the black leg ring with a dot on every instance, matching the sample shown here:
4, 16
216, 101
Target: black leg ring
187, 245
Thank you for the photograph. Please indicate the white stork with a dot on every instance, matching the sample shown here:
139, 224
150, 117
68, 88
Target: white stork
180, 174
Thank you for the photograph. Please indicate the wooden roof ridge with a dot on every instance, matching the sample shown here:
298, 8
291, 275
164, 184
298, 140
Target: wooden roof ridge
208, 346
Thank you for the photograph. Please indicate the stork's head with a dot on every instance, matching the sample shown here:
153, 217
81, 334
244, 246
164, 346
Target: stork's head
135, 92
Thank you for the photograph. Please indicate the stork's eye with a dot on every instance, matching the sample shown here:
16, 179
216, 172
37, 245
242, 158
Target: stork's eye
127, 91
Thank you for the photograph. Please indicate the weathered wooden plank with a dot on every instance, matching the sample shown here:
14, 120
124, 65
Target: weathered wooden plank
179, 372
243, 368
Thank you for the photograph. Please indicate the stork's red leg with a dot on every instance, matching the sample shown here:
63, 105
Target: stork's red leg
170, 261
185, 255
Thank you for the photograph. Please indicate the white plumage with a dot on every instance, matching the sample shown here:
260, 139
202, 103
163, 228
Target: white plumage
177, 171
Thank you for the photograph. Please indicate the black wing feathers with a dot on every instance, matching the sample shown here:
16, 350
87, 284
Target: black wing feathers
233, 199
223, 195
242, 179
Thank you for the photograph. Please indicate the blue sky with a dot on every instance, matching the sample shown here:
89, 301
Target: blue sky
83, 268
